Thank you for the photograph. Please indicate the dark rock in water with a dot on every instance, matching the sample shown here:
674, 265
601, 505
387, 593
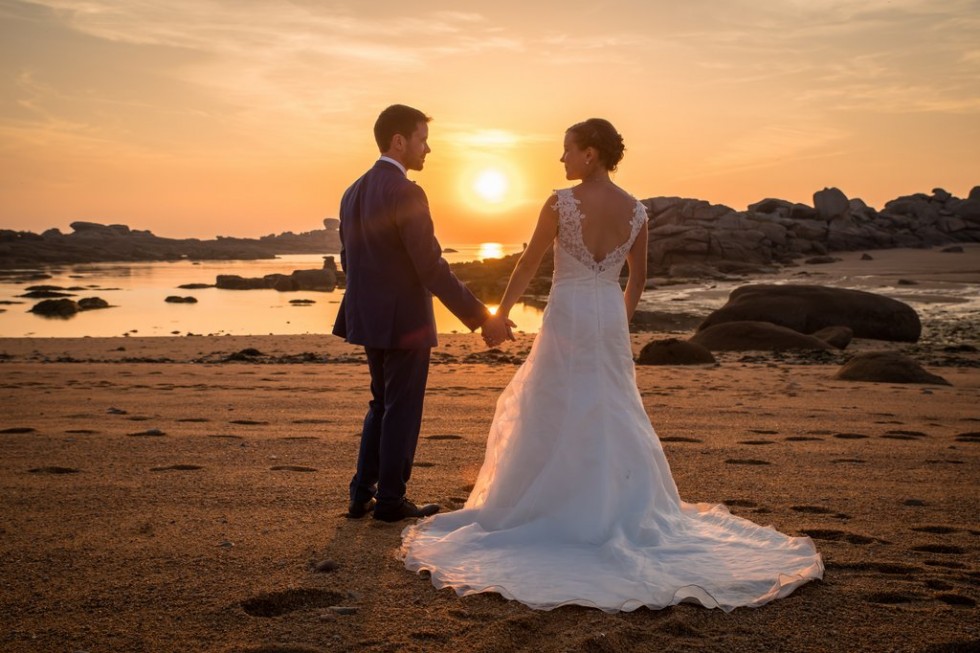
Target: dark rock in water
907, 282
46, 294
836, 336
195, 286
755, 336
55, 308
867, 257
302, 302
807, 308
952, 249
673, 351
90, 303
449, 250
887, 367
174, 299
236, 282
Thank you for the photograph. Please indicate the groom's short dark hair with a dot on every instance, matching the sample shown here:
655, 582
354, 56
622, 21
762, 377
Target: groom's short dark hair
397, 119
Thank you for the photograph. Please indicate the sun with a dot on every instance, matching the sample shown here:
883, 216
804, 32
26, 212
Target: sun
491, 185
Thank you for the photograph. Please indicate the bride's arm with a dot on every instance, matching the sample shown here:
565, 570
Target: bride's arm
637, 260
527, 265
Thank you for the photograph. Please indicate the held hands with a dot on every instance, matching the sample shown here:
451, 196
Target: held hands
497, 329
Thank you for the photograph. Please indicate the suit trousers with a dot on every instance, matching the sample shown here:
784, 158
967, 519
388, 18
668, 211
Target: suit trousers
392, 423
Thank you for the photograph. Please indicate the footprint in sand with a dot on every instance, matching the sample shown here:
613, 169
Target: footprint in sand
891, 568
764, 431
54, 470
679, 438
812, 510
802, 438
82, 431
444, 437
892, 598
947, 549
957, 600
856, 461
300, 438
248, 422
747, 461
936, 530
838, 536
972, 436
227, 436
149, 433
194, 419
850, 436
178, 468
18, 429
292, 468
740, 503
756, 442
275, 604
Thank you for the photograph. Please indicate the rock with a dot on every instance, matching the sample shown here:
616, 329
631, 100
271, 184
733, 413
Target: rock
195, 286
55, 308
46, 294
673, 351
750, 336
907, 282
941, 195
90, 303
808, 308
830, 203
886, 367
867, 257
836, 336
331, 224
235, 282
174, 299
952, 249
324, 279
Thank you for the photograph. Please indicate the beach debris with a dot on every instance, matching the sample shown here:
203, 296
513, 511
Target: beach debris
887, 367
674, 351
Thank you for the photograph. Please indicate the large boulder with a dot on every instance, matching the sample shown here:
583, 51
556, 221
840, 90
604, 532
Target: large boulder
236, 282
836, 336
755, 336
830, 203
887, 367
674, 352
807, 309
55, 308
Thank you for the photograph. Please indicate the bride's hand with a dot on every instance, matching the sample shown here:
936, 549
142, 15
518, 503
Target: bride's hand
496, 329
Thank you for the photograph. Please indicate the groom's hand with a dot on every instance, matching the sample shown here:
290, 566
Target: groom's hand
497, 329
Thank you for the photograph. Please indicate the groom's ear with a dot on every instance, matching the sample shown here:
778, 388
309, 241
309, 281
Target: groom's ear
397, 142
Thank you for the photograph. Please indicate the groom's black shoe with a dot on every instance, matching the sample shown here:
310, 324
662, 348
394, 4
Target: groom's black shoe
358, 509
405, 510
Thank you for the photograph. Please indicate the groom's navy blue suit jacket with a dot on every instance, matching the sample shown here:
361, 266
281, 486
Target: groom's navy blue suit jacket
394, 265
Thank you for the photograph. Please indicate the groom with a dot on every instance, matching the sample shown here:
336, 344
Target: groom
394, 265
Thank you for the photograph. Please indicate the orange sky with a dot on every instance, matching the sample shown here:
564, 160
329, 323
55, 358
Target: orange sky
208, 117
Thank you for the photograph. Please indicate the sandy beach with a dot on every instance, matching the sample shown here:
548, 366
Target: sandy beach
188, 493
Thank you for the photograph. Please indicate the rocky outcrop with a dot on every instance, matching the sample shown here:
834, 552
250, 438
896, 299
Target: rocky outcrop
686, 231
755, 336
91, 242
324, 280
807, 309
835, 336
887, 367
673, 351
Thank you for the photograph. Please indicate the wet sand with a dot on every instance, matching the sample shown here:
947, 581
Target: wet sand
178, 494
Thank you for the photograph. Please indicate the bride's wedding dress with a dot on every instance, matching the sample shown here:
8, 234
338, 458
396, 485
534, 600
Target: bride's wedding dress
575, 503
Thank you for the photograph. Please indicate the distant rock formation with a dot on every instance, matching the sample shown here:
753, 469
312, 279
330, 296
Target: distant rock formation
774, 231
324, 279
91, 242
887, 367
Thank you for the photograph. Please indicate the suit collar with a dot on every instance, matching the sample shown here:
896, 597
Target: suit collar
394, 163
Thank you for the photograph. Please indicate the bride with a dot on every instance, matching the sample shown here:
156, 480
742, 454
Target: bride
575, 503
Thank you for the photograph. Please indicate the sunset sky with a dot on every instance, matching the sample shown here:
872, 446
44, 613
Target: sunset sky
246, 117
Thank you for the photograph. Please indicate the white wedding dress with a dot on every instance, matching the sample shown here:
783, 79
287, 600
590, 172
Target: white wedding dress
575, 503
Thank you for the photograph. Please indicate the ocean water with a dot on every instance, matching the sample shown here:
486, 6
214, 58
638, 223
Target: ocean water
136, 293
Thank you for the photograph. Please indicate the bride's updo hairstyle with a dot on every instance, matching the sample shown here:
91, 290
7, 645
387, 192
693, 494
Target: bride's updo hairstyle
600, 134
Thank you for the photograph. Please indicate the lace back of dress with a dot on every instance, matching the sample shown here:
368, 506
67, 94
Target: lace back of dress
570, 233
